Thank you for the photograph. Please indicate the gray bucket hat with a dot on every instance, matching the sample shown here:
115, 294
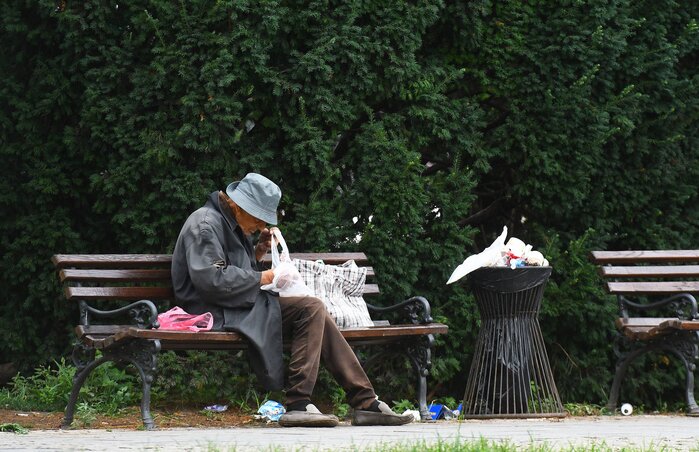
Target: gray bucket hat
256, 195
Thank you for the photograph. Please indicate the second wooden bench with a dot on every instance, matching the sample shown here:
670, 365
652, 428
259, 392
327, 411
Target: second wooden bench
657, 309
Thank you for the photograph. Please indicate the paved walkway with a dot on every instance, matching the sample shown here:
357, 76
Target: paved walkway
610, 432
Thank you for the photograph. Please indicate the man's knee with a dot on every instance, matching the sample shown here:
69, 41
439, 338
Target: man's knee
302, 307
312, 306
305, 312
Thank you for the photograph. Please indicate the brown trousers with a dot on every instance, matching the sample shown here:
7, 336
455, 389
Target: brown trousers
314, 335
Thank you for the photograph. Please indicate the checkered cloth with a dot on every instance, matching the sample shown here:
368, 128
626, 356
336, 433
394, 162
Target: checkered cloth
340, 287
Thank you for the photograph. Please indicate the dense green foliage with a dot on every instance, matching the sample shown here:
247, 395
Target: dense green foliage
422, 126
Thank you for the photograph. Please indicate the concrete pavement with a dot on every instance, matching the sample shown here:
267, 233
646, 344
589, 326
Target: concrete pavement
657, 432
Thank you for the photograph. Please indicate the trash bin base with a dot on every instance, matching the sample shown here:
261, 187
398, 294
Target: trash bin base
510, 375
514, 416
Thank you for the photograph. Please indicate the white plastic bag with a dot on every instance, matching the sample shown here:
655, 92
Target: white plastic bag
486, 258
287, 279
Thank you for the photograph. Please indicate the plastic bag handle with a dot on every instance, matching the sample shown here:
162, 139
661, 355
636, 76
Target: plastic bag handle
277, 239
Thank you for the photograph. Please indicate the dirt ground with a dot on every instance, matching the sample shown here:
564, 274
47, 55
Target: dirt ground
130, 418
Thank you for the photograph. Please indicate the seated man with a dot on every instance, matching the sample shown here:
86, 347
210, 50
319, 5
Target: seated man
215, 269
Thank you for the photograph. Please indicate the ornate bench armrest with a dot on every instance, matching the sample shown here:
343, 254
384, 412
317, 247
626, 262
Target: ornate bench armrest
416, 309
683, 306
143, 313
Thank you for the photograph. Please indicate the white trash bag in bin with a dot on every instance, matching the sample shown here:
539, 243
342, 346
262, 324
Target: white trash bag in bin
287, 279
514, 254
486, 258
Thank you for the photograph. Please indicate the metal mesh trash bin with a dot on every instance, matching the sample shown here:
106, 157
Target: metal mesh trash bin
510, 375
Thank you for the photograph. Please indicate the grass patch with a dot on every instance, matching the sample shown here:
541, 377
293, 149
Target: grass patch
585, 409
483, 444
108, 390
470, 445
14, 428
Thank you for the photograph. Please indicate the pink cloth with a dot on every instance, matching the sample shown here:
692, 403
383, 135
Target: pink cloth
177, 319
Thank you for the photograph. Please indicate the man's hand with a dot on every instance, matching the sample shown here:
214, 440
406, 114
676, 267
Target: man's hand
264, 244
267, 277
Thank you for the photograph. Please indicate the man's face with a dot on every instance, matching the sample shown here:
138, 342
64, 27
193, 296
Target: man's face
249, 224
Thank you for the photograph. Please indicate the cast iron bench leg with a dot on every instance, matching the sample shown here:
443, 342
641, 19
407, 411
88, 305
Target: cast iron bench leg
420, 354
143, 354
692, 407
83, 371
622, 365
687, 352
684, 349
147, 378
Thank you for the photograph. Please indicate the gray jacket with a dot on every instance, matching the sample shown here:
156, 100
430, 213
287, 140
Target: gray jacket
214, 270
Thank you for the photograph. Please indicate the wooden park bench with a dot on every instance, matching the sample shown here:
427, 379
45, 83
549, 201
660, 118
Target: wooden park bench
130, 285
658, 311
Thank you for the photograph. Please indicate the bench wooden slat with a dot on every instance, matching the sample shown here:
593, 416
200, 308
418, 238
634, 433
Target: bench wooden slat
118, 293
640, 332
652, 288
135, 275
648, 327
117, 261
361, 332
639, 256
371, 289
104, 336
185, 336
641, 328
156, 274
650, 271
394, 330
329, 258
111, 260
145, 293
686, 325
642, 321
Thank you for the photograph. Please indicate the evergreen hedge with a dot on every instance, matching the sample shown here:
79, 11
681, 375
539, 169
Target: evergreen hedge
422, 127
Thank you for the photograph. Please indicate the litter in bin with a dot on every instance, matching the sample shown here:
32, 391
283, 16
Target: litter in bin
271, 411
514, 254
486, 258
216, 408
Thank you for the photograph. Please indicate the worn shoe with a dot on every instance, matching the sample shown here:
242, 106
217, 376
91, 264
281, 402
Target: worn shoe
311, 417
379, 414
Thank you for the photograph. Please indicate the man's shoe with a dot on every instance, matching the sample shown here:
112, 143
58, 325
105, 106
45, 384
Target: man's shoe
380, 414
312, 417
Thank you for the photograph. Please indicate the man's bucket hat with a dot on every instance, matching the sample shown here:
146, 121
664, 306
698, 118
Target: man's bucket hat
256, 195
